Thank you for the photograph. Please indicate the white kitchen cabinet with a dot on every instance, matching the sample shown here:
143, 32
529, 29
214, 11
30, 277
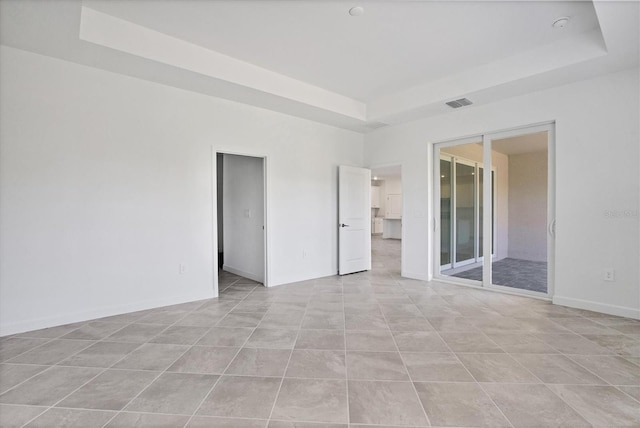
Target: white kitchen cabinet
376, 225
393, 208
375, 197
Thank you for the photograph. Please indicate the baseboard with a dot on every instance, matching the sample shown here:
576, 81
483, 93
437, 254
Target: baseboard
242, 273
69, 318
620, 311
415, 275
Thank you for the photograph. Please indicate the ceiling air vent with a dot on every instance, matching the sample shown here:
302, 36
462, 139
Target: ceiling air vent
459, 103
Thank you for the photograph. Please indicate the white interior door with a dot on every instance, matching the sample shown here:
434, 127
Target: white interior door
354, 219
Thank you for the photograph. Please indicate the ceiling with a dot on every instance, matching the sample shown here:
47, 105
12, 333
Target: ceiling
521, 144
397, 62
387, 172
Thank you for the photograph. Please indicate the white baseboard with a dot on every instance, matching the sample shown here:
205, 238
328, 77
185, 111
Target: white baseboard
69, 318
414, 275
242, 273
620, 311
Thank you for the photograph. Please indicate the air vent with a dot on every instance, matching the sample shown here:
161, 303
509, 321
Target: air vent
376, 125
459, 103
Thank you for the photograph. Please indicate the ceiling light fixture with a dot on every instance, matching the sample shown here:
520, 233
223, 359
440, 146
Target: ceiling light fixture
375, 178
356, 11
561, 22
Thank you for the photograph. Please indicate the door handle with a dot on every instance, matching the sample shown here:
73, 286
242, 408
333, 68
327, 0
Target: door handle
344, 225
552, 228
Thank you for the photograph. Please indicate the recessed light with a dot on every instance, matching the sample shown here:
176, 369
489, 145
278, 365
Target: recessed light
375, 178
356, 11
561, 22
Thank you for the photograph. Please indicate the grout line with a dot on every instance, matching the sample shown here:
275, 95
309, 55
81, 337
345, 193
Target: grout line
230, 361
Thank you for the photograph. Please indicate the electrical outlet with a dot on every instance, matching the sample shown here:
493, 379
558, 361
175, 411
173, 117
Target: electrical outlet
609, 275
304, 254
182, 268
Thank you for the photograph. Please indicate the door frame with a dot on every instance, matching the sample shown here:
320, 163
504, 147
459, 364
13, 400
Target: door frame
404, 199
214, 211
486, 139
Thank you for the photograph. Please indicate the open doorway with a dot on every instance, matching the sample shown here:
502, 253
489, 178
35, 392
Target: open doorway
495, 196
240, 203
386, 219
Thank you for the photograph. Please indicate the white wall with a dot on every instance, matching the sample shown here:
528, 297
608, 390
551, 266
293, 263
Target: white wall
106, 187
243, 212
597, 173
528, 206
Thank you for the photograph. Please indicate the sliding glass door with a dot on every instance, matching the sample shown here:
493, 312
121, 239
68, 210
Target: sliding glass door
491, 198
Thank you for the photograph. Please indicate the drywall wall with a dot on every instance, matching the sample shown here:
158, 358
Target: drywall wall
107, 186
593, 232
528, 206
243, 211
219, 200
499, 163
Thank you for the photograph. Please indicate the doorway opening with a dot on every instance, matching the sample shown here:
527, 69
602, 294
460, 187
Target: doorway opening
495, 196
386, 219
240, 211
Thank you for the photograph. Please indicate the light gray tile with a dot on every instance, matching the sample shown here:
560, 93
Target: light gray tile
272, 338
602, 406
241, 396
419, 341
373, 340
13, 416
459, 404
94, 330
312, 400
152, 356
308, 363
385, 403
323, 320
573, 344
225, 336
15, 346
111, 390
49, 387
100, 354
52, 352
241, 320
137, 333
259, 362
364, 365
621, 345
71, 418
533, 406
146, 420
435, 367
556, 369
204, 359
13, 374
320, 339
215, 422
180, 335
496, 368
400, 323
470, 342
176, 393
525, 343
613, 369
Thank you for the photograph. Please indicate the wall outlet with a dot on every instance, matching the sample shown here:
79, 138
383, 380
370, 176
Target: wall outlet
609, 275
304, 254
182, 268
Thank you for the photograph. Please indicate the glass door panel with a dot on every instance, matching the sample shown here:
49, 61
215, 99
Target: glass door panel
445, 212
465, 212
520, 195
459, 211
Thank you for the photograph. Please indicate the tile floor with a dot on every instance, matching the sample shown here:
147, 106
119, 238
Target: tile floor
370, 349
514, 273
